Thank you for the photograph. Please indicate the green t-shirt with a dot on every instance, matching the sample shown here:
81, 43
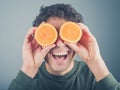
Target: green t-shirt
79, 78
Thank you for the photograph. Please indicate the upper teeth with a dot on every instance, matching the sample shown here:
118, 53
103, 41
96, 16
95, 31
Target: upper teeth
60, 53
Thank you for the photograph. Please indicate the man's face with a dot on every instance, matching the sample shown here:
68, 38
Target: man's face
60, 58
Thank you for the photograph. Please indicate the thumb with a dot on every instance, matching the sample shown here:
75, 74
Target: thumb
78, 48
73, 46
45, 50
41, 53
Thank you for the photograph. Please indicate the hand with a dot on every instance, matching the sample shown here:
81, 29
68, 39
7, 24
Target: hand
87, 48
33, 54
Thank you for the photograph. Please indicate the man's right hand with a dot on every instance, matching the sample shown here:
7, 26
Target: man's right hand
33, 54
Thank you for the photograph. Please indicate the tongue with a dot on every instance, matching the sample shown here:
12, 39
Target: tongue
59, 59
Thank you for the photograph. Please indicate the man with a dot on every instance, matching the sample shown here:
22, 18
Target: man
53, 67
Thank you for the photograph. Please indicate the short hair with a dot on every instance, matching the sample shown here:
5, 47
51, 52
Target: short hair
65, 11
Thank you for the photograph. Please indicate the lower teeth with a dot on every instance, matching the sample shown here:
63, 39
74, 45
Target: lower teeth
60, 56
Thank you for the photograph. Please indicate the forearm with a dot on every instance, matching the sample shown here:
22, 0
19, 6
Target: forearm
98, 68
31, 71
108, 83
105, 80
22, 82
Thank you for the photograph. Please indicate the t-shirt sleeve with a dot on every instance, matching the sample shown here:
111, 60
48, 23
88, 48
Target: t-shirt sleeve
22, 82
108, 83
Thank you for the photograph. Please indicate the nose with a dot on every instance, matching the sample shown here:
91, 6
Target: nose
59, 42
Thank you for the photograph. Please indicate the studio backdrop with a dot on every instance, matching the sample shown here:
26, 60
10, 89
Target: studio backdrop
16, 17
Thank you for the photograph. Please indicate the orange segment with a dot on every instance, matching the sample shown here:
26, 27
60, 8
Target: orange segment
70, 32
46, 34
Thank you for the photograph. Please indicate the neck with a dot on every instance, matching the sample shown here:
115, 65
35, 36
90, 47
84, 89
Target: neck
59, 73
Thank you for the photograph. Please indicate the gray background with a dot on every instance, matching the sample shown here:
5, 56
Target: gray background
16, 16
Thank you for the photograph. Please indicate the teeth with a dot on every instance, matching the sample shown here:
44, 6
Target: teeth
60, 53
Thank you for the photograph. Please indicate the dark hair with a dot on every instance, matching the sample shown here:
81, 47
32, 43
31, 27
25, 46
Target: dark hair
58, 10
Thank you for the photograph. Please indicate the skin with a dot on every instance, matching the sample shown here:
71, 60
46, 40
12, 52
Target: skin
87, 48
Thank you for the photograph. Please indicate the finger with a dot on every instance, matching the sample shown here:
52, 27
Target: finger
87, 35
48, 48
31, 31
42, 22
41, 53
35, 44
72, 46
29, 34
85, 29
79, 49
76, 47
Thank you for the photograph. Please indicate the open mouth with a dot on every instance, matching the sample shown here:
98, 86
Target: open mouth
60, 55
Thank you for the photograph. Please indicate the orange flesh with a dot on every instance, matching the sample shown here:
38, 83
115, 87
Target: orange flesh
46, 34
70, 32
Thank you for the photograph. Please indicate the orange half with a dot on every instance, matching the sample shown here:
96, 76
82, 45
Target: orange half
45, 34
70, 32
